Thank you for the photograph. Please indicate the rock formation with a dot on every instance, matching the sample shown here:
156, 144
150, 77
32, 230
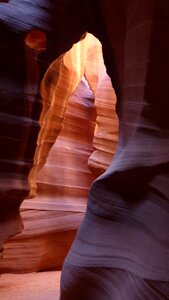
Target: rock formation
68, 123
52, 217
30, 42
121, 249
106, 131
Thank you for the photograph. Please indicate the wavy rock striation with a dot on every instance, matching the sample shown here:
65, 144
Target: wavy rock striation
30, 41
52, 217
124, 235
60, 174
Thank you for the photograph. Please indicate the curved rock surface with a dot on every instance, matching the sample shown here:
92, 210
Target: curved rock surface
65, 143
30, 42
106, 132
52, 217
128, 204
126, 254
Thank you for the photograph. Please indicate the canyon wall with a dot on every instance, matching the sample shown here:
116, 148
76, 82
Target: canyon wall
76, 143
127, 207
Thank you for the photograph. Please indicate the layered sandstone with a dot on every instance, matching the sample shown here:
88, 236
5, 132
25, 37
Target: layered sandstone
128, 204
74, 146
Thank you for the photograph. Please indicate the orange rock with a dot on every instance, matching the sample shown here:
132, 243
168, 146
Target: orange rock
69, 147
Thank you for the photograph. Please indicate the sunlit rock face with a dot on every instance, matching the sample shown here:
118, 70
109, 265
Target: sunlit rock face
40, 36
126, 252
128, 204
52, 217
106, 132
59, 83
73, 147
30, 40
65, 178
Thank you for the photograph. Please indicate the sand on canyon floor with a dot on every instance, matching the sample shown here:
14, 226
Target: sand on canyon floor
31, 286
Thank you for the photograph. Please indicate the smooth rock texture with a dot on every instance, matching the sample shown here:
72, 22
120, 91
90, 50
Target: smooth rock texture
30, 41
106, 132
34, 286
67, 138
127, 220
53, 216
67, 71
121, 250
71, 145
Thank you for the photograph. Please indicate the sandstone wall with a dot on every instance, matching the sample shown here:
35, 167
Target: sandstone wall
76, 143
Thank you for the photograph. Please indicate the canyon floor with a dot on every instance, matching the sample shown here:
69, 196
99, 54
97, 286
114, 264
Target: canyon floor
34, 286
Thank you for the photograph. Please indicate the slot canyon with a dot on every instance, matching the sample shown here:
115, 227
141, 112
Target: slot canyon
84, 149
